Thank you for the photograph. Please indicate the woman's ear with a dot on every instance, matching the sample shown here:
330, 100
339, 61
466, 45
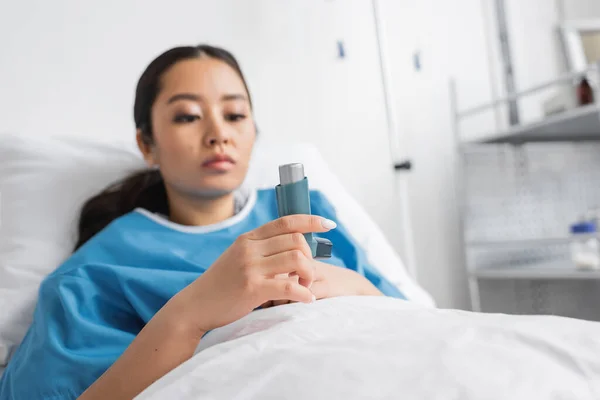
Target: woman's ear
146, 148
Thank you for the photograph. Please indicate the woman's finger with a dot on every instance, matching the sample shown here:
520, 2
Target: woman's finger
293, 261
300, 223
297, 279
283, 243
321, 290
279, 289
291, 277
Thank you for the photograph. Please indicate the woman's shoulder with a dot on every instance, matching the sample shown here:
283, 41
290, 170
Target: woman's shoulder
129, 225
100, 247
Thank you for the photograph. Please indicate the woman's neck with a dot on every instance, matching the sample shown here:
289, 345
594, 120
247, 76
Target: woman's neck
186, 210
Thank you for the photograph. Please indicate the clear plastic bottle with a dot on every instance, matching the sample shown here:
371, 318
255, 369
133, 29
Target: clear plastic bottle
585, 245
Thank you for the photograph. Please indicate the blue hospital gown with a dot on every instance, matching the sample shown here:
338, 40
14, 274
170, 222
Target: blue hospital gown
92, 307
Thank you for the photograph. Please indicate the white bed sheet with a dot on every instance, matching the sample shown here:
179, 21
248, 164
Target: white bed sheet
382, 348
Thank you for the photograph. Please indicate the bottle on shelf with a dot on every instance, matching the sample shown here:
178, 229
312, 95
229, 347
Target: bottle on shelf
585, 92
585, 244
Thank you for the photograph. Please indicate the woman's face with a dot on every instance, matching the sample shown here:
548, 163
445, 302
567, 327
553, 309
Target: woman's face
203, 128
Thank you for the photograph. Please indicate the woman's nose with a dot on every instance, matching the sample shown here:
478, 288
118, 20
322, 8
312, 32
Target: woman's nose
214, 141
216, 135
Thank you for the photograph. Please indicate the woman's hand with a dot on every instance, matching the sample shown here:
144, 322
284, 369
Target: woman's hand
333, 281
248, 273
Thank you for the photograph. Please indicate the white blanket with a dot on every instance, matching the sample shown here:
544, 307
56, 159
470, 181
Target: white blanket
382, 348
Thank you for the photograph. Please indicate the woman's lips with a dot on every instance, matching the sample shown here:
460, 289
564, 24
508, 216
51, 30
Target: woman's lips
219, 164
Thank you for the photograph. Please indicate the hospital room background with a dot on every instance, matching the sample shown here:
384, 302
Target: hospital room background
464, 129
458, 141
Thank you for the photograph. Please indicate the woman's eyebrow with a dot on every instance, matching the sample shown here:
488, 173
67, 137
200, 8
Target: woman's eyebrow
184, 96
196, 97
237, 96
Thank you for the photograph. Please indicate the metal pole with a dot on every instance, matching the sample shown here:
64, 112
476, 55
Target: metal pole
597, 89
460, 193
509, 77
486, 13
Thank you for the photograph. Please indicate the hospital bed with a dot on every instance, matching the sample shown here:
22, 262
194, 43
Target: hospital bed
351, 347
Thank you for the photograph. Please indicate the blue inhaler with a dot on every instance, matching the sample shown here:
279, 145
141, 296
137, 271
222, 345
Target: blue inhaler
293, 198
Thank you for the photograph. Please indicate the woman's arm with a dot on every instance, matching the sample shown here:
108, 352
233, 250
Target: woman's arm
164, 343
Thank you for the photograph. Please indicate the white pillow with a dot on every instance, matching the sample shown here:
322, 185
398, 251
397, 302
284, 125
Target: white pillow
44, 181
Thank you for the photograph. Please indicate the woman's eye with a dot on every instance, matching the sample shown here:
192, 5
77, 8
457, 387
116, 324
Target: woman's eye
185, 118
234, 117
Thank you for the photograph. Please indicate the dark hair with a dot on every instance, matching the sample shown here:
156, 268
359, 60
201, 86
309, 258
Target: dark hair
144, 188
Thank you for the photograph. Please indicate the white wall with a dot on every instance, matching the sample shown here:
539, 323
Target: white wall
70, 67
536, 51
581, 9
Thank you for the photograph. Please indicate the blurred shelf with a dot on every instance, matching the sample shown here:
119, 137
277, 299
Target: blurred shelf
521, 243
579, 124
544, 270
525, 243
529, 259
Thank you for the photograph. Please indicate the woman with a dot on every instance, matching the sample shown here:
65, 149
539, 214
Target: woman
177, 250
